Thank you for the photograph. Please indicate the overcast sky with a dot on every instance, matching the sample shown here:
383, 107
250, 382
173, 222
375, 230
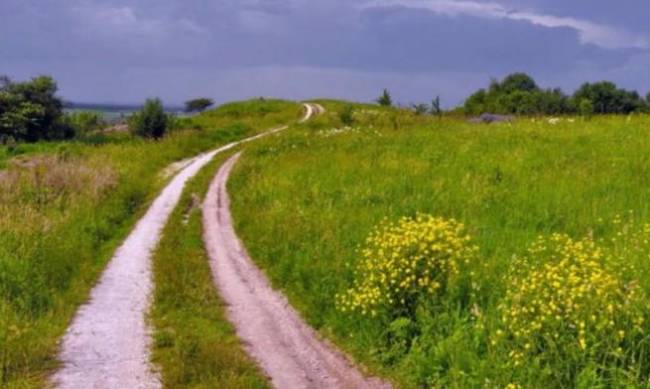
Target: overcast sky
125, 51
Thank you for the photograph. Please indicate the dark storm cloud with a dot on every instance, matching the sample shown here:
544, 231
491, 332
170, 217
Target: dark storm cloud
114, 50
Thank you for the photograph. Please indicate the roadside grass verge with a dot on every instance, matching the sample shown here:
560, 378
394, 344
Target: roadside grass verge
63, 213
305, 203
194, 345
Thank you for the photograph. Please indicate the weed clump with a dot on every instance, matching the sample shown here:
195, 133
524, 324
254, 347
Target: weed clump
406, 261
564, 305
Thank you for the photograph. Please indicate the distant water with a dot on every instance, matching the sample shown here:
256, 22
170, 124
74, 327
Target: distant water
116, 113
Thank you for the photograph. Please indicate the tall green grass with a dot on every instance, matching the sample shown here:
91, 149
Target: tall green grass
63, 212
305, 203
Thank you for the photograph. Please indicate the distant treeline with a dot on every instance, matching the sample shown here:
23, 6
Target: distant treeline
519, 94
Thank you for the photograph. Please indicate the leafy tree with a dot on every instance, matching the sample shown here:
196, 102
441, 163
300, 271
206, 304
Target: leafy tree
385, 99
198, 105
150, 121
476, 103
30, 110
518, 82
608, 98
436, 109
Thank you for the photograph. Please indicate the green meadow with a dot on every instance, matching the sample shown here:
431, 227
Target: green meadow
553, 206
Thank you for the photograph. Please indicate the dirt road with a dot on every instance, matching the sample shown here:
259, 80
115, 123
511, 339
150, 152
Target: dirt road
286, 348
107, 344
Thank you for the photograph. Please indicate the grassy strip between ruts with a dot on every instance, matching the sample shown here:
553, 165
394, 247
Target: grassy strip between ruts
194, 346
305, 203
63, 213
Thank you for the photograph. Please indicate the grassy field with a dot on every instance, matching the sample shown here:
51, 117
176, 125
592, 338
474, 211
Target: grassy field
194, 345
63, 211
553, 296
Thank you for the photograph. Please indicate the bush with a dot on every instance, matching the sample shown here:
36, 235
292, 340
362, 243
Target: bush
151, 121
198, 105
347, 115
84, 122
385, 100
565, 305
401, 263
30, 111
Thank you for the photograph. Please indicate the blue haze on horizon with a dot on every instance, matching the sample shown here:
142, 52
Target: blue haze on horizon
123, 51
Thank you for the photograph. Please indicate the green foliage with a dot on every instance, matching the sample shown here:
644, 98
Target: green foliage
304, 205
420, 108
517, 82
347, 115
198, 105
607, 98
586, 108
30, 111
517, 94
84, 123
151, 121
385, 100
436, 108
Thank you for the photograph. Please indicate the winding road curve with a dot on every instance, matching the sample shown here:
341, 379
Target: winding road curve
107, 345
286, 348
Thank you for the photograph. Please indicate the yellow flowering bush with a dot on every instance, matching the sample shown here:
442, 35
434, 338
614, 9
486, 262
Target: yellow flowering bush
403, 261
563, 303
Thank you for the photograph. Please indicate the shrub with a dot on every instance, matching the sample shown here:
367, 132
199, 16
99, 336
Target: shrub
30, 110
198, 105
420, 108
565, 306
347, 115
421, 257
151, 121
385, 99
84, 122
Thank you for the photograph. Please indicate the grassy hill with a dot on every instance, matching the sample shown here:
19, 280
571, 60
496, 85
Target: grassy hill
554, 296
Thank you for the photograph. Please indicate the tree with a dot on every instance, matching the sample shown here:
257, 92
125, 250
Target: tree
436, 109
476, 103
30, 110
150, 121
608, 98
385, 99
420, 108
198, 105
518, 82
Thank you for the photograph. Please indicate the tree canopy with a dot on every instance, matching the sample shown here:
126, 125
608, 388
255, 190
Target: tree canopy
151, 121
518, 93
385, 99
198, 104
31, 111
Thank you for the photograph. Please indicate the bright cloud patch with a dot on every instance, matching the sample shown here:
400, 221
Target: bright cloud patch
588, 32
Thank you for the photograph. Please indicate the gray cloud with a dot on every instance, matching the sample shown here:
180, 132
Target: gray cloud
588, 32
119, 50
